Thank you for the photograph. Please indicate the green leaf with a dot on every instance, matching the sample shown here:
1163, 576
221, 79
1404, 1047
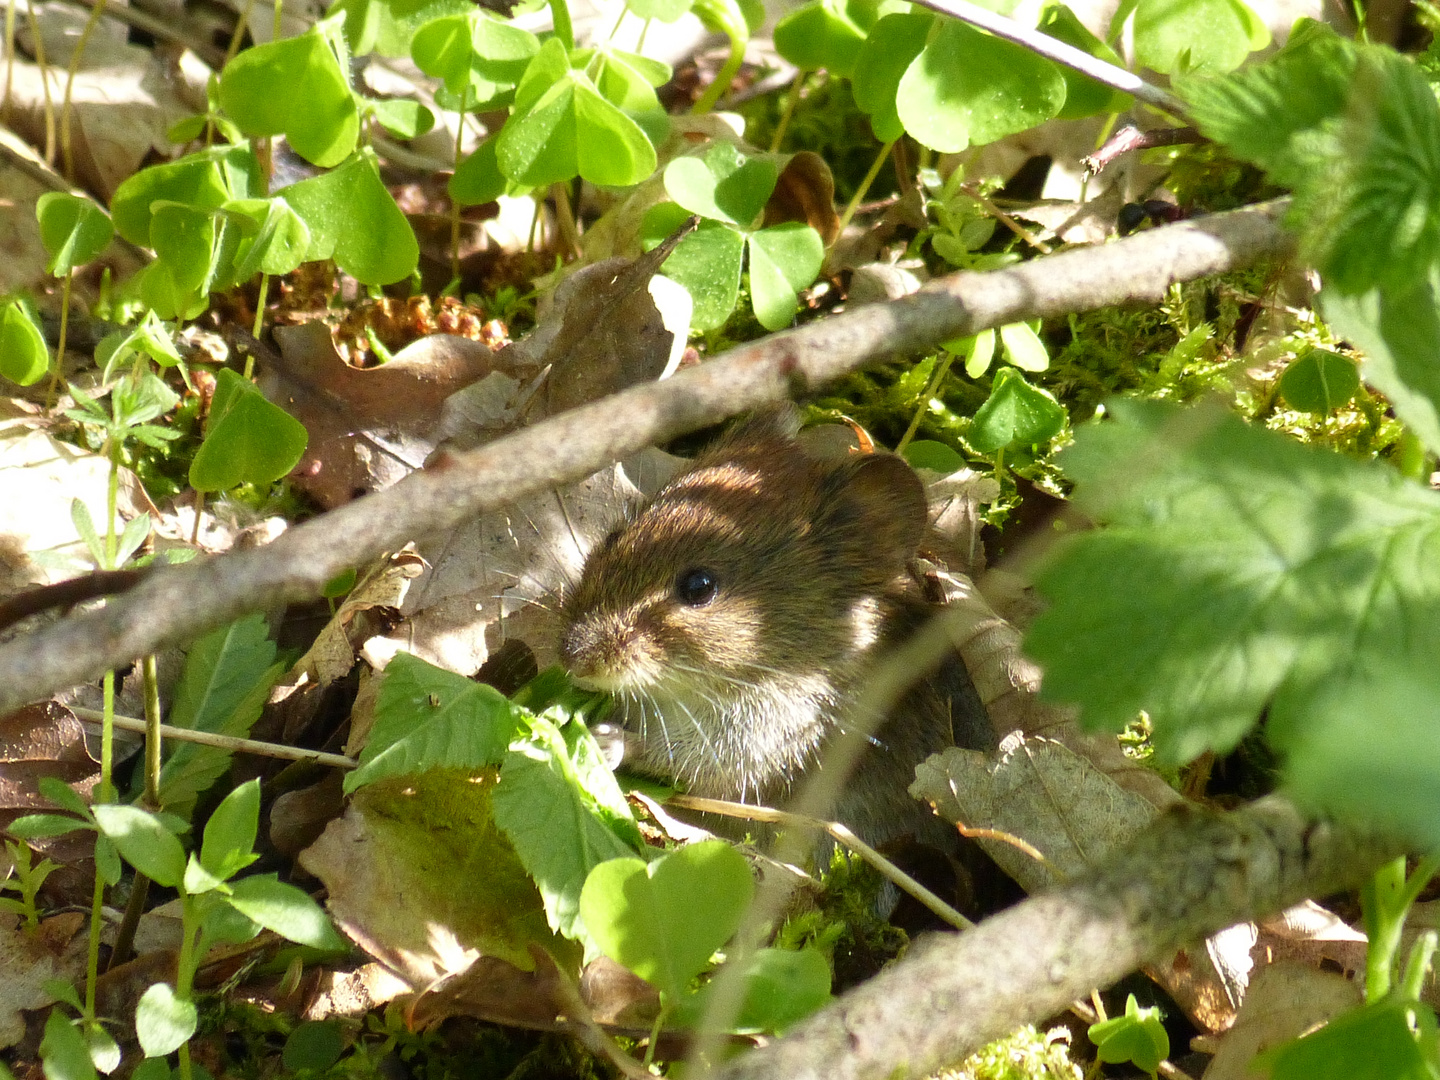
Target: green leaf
890, 47
707, 263
104, 1051
1024, 348
227, 676
63, 1050
723, 185
782, 988
1083, 95
229, 844
286, 910
1238, 572
62, 794
664, 10
296, 88
207, 180
936, 456
426, 717
280, 243
1319, 381
627, 80
24, 359
663, 920
478, 179
73, 229
562, 127
1398, 329
979, 354
185, 241
1384, 1040
968, 88
43, 826
353, 219
163, 1022
820, 35
250, 439
145, 843
402, 117
1198, 35
107, 860
783, 260
474, 50
1137, 1037
1016, 413
560, 830
314, 1045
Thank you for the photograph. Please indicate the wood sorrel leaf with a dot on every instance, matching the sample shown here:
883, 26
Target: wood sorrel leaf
23, 355
73, 229
783, 260
250, 439
723, 185
968, 88
1016, 413
352, 218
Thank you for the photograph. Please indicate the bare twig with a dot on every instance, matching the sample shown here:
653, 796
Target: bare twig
224, 742
1192, 873
176, 604
1117, 78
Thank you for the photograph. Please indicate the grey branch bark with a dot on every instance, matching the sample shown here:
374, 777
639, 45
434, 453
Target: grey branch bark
177, 604
1192, 873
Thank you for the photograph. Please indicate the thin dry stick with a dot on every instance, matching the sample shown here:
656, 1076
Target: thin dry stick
1117, 78
836, 831
176, 604
223, 742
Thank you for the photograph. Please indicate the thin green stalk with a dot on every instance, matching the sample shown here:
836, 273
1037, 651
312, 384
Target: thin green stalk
1418, 965
1382, 927
275, 29
152, 731
864, 188
53, 393
75, 57
654, 1036
259, 320
723, 78
930, 391
791, 101
560, 12
185, 966
244, 21
44, 83
455, 203
92, 952
640, 45
616, 28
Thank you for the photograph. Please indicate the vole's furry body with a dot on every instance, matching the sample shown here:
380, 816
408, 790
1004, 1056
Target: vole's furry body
739, 696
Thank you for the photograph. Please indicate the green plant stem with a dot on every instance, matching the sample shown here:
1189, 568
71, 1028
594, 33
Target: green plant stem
259, 321
234, 46
44, 83
618, 22
1382, 927
1418, 966
92, 951
864, 188
792, 100
655, 1035
153, 741
640, 44
455, 204
75, 57
9, 58
185, 965
54, 392
565, 219
560, 12
726, 75
941, 371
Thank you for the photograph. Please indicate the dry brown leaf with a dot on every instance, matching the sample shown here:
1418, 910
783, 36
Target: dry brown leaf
55, 950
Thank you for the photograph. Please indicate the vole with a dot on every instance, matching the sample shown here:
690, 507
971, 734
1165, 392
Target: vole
735, 617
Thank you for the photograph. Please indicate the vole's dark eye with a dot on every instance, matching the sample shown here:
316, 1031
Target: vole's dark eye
696, 588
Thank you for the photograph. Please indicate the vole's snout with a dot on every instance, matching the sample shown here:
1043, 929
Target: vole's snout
597, 653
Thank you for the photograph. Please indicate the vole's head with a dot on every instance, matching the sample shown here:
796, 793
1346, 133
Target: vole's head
760, 561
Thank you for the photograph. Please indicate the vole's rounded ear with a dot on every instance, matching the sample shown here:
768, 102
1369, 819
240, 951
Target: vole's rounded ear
886, 501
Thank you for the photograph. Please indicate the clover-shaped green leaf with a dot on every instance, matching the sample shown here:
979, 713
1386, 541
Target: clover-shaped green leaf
723, 185
820, 35
783, 260
664, 10
1016, 413
1137, 1037
1083, 95
627, 80
280, 243
478, 178
890, 47
475, 50
250, 440
706, 263
1198, 36
73, 229
968, 88
207, 179
294, 87
663, 920
352, 218
562, 127
1024, 347
1319, 381
23, 355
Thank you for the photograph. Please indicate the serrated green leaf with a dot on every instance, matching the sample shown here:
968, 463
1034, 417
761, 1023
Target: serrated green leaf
426, 718
315, 111
560, 831
1238, 572
783, 260
163, 1022
663, 920
24, 359
73, 229
1015, 414
968, 88
354, 219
